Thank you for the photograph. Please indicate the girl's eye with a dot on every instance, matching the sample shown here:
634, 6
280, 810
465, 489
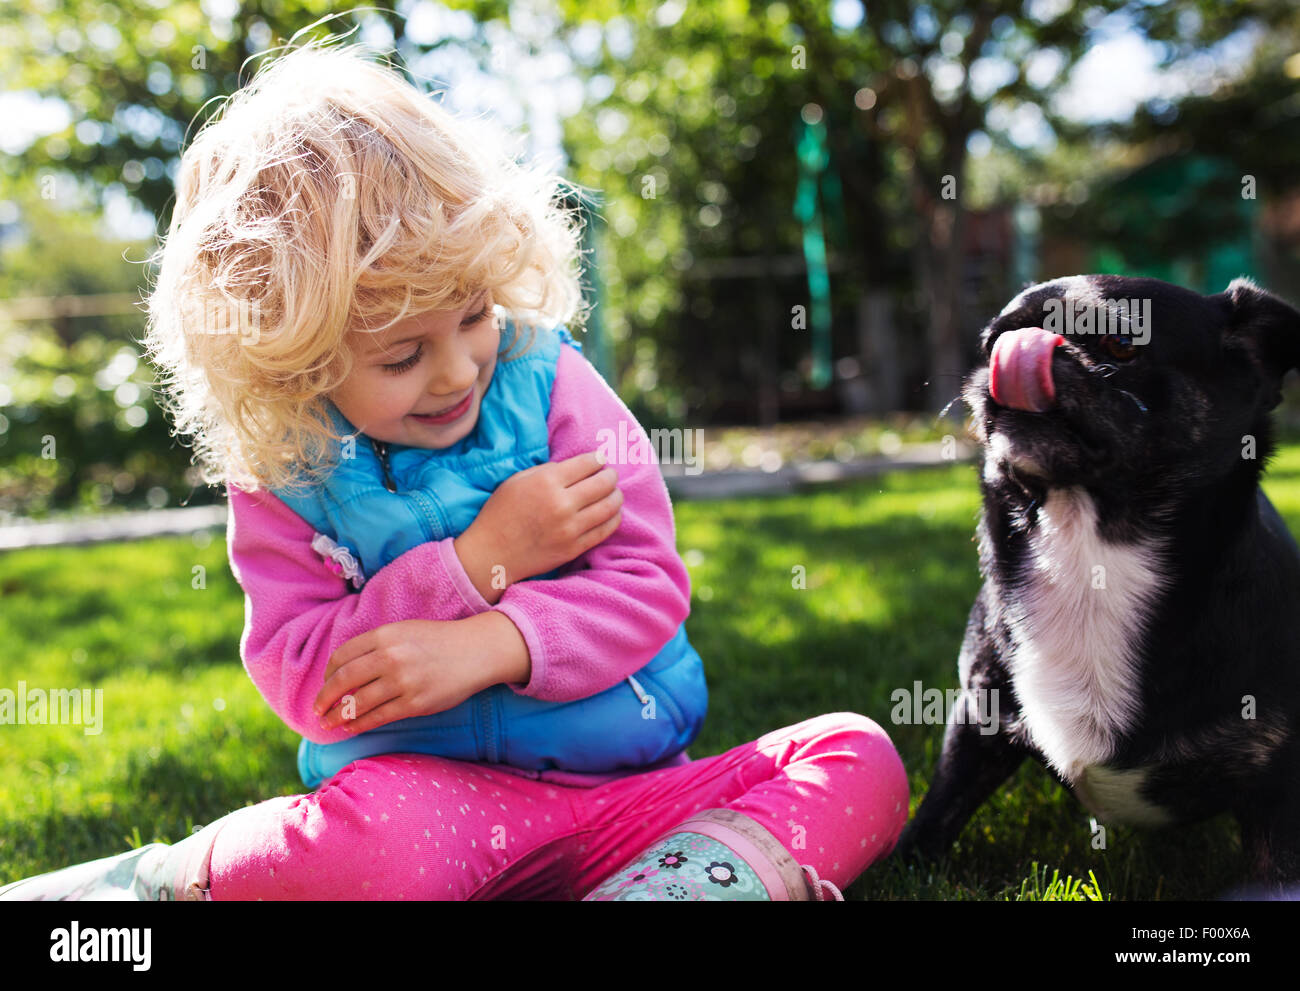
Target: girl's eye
480, 316
1119, 346
405, 364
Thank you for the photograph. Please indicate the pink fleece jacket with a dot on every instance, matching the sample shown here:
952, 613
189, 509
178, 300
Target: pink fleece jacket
603, 618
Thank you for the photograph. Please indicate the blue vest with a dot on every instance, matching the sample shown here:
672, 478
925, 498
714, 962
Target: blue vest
642, 720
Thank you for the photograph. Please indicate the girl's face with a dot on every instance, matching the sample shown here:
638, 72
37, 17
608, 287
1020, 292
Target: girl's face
421, 381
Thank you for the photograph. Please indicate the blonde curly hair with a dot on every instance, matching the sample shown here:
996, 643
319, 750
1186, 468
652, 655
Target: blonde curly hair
330, 197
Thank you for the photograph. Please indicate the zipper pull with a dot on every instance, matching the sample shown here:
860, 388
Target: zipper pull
641, 695
381, 449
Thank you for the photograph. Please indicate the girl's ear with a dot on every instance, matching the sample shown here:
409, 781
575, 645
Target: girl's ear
1268, 327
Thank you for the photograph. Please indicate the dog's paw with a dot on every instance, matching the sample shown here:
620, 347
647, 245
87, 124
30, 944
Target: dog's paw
910, 849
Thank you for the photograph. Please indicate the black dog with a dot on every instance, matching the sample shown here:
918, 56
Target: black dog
1140, 614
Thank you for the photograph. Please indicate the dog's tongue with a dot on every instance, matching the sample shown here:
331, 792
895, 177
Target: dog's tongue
1020, 373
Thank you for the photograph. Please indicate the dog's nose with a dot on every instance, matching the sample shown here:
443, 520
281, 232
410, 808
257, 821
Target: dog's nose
1020, 369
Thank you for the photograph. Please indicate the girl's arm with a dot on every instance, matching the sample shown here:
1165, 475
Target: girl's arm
298, 611
616, 605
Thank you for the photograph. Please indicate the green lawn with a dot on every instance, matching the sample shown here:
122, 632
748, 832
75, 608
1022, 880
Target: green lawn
890, 571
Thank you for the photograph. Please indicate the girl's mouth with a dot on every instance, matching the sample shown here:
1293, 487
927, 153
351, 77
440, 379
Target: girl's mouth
449, 416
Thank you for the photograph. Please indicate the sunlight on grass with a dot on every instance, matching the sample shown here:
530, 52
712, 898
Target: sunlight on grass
1039, 888
802, 604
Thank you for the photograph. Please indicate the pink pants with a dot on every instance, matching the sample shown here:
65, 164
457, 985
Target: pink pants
832, 790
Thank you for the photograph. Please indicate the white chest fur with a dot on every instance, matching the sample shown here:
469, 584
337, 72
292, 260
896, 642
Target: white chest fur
1076, 625
1116, 796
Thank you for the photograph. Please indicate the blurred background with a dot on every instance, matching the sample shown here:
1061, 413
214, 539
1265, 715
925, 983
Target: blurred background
801, 213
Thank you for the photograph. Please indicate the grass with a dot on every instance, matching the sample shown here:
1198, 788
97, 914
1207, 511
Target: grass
888, 569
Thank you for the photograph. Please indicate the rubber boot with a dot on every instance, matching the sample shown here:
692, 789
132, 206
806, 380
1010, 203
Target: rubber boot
155, 872
717, 855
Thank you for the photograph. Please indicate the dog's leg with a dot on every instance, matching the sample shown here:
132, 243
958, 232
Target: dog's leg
1270, 837
971, 767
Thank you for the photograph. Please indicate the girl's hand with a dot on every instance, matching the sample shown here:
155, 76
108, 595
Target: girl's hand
418, 667
539, 519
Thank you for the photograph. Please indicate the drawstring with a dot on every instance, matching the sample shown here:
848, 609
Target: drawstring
641, 695
817, 884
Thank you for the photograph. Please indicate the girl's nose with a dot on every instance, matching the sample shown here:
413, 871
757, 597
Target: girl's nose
452, 376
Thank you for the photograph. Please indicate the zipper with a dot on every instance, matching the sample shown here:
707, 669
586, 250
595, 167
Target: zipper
431, 517
663, 699
487, 724
381, 449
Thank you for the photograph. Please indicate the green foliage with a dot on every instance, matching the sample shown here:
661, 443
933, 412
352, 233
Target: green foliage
1038, 888
689, 134
686, 128
82, 430
79, 426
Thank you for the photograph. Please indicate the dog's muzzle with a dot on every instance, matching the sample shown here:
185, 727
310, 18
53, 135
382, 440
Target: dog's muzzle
1020, 370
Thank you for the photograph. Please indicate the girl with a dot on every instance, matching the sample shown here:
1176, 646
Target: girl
361, 235
399, 497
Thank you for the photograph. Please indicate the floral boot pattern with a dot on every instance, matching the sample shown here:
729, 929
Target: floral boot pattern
684, 867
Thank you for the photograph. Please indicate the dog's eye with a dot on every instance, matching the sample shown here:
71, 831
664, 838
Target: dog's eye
1119, 346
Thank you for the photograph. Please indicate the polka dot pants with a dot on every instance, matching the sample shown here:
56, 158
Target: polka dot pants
832, 790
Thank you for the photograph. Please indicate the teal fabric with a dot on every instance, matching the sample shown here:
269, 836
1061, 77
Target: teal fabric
684, 867
439, 493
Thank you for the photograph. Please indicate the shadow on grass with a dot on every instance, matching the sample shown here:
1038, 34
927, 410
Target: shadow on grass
926, 575
891, 572
156, 799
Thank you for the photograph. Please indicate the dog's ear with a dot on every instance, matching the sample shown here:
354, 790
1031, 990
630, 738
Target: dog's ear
1267, 327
